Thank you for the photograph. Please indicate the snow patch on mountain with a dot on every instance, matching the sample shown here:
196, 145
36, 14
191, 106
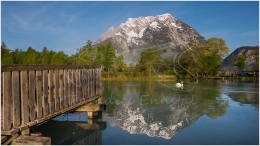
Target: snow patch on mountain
154, 24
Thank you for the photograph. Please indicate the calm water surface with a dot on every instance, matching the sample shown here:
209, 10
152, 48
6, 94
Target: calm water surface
153, 112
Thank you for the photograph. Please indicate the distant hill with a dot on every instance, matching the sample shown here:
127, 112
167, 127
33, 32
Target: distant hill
249, 52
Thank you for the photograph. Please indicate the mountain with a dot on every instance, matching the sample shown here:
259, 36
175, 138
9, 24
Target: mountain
150, 30
251, 53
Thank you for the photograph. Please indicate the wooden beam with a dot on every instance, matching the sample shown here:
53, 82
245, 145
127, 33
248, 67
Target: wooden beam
31, 140
91, 108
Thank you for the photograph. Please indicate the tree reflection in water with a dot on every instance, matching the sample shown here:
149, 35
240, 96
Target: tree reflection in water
165, 112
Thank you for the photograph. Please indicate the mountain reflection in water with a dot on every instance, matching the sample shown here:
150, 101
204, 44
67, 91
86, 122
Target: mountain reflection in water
146, 107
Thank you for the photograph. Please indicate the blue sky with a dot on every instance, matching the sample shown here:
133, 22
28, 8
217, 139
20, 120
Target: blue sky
68, 25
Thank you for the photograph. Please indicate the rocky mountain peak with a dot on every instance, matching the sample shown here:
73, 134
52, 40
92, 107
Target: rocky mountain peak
149, 30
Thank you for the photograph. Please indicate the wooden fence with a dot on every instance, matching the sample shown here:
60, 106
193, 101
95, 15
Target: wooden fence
32, 94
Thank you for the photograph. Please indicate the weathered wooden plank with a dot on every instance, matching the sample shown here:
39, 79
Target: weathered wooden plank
39, 95
45, 93
51, 91
24, 97
61, 88
86, 74
7, 100
93, 86
56, 90
2, 99
96, 81
16, 98
31, 140
31, 101
73, 93
3, 139
88, 82
10, 139
77, 85
92, 81
100, 82
83, 80
69, 88
66, 88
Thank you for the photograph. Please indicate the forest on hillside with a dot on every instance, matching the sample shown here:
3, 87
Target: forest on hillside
197, 60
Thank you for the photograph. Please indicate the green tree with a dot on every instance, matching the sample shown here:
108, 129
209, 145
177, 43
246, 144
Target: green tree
149, 60
30, 56
59, 58
86, 55
210, 64
109, 56
211, 55
241, 62
18, 56
120, 64
217, 47
100, 57
44, 56
6, 55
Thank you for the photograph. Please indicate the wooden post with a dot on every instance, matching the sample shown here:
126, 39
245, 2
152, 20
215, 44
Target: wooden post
70, 87
66, 88
7, 100
39, 95
73, 87
16, 99
61, 88
26, 132
24, 97
32, 85
56, 90
51, 92
99, 100
45, 93
92, 114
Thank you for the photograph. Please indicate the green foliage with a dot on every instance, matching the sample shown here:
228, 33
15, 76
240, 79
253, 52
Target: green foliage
7, 57
197, 59
256, 56
86, 55
149, 60
59, 58
109, 56
217, 47
31, 56
120, 64
241, 62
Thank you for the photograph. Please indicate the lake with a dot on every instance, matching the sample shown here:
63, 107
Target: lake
156, 112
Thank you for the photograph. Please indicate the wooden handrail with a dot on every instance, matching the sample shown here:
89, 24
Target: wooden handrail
18, 67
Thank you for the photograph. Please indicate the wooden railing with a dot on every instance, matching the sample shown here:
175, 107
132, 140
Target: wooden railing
32, 94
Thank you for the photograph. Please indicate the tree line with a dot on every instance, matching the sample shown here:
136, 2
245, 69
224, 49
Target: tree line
103, 55
194, 60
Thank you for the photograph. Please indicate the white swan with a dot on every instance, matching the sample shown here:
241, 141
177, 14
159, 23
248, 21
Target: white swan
179, 85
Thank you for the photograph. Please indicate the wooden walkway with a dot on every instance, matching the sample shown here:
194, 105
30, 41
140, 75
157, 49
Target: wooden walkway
32, 94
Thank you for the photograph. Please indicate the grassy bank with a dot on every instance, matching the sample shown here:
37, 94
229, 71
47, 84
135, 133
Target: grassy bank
161, 77
135, 76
